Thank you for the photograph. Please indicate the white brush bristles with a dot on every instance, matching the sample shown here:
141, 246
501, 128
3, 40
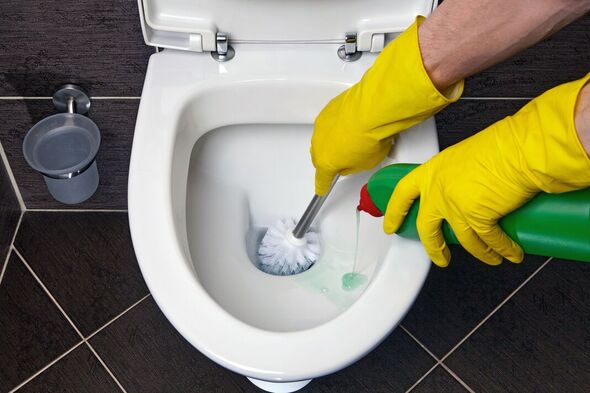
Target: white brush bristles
280, 253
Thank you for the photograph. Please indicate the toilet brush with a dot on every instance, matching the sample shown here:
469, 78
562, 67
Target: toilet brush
291, 247
551, 225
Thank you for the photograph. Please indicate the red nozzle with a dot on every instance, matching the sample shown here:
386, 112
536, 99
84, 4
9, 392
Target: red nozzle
366, 203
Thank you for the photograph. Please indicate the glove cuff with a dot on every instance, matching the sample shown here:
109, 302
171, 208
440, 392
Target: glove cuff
453, 92
396, 91
556, 160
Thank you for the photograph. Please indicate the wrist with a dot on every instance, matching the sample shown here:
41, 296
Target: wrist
432, 59
582, 118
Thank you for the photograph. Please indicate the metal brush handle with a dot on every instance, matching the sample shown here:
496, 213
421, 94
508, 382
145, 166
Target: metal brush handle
311, 212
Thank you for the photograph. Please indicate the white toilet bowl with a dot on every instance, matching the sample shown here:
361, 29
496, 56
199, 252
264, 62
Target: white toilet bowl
221, 150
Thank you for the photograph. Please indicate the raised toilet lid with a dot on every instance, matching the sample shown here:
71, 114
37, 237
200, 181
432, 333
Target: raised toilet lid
193, 24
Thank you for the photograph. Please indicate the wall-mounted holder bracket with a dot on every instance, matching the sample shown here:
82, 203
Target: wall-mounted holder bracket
71, 98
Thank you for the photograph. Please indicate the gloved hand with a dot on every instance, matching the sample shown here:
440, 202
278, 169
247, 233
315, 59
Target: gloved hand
485, 177
354, 131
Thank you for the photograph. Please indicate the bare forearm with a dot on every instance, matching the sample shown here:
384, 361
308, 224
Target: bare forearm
463, 37
582, 117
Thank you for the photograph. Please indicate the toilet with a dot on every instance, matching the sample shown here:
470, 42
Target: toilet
221, 151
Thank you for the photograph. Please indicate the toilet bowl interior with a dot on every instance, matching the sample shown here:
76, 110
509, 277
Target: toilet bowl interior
239, 161
241, 179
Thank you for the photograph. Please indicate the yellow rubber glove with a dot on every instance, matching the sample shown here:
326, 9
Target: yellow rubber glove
476, 182
355, 130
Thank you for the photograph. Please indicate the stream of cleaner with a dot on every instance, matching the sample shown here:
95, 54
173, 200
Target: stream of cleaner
354, 279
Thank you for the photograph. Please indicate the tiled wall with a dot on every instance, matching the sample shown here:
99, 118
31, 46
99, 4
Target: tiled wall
99, 46
96, 44
503, 89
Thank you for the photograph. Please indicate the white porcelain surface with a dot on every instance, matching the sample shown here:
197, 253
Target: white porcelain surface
221, 149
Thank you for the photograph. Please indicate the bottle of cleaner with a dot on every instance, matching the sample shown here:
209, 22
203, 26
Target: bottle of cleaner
552, 225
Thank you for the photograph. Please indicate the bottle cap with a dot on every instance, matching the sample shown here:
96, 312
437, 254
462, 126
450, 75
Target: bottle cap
366, 203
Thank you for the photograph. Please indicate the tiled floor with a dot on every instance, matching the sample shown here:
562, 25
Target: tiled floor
10, 210
75, 316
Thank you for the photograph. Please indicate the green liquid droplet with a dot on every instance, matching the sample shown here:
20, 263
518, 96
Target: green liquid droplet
353, 280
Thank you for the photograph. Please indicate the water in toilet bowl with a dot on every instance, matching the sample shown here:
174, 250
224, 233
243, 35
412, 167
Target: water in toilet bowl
241, 179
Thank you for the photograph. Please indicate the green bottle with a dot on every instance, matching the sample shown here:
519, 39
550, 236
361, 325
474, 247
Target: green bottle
552, 225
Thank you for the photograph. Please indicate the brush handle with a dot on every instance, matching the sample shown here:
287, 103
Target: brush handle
311, 212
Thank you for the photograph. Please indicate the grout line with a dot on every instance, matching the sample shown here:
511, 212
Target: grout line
10, 98
79, 210
84, 339
57, 359
419, 343
18, 98
105, 366
15, 188
497, 98
118, 316
5, 264
427, 351
422, 378
115, 98
496, 309
457, 377
11, 245
47, 292
439, 362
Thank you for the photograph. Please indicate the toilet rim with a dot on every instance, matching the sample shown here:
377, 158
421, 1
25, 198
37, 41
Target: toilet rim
245, 349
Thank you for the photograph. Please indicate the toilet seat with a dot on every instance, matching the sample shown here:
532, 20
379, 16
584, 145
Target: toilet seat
194, 25
188, 95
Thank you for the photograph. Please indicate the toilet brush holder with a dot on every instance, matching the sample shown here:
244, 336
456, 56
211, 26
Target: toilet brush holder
552, 225
63, 147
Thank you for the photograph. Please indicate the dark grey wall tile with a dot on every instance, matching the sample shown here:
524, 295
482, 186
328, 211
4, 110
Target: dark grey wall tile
87, 262
116, 121
467, 117
33, 332
97, 44
455, 299
9, 212
561, 58
79, 371
539, 341
439, 381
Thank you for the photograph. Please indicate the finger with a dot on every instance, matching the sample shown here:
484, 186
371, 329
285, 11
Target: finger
473, 244
405, 193
323, 181
430, 232
501, 243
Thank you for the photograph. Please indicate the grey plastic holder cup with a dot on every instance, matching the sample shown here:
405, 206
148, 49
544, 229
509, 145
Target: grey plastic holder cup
63, 149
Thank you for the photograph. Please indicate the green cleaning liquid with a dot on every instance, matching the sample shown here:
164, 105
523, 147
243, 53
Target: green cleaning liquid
353, 280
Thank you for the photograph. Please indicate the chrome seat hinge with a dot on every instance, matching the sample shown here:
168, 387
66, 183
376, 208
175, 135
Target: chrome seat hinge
223, 50
349, 51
